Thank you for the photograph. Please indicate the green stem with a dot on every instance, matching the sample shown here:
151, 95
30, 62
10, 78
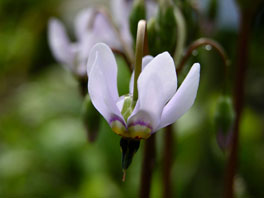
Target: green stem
169, 144
148, 164
141, 31
181, 35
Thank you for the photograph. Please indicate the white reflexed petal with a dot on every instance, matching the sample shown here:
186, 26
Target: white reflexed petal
82, 22
107, 63
100, 89
121, 10
156, 85
126, 35
84, 48
79, 66
183, 98
120, 103
104, 31
59, 43
145, 61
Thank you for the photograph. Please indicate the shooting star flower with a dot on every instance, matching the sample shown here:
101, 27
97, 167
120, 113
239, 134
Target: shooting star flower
159, 102
91, 27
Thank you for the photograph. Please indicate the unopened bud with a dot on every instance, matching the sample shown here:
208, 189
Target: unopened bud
224, 121
152, 37
163, 31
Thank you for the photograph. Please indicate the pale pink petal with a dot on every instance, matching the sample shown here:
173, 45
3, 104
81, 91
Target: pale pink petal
60, 45
82, 23
102, 83
183, 98
156, 85
145, 61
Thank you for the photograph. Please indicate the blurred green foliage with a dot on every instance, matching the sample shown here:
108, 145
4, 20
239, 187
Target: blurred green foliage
43, 145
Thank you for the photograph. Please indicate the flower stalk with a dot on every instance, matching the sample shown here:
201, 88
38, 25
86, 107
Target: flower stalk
147, 166
168, 136
169, 144
241, 67
149, 147
215, 45
202, 42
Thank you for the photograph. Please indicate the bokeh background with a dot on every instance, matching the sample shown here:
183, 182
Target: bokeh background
44, 150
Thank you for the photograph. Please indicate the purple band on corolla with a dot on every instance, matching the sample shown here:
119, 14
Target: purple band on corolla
116, 118
139, 122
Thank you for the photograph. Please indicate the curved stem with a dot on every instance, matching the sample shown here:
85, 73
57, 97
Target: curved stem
201, 42
241, 67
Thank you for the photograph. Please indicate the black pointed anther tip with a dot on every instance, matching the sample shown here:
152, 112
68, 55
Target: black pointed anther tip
128, 148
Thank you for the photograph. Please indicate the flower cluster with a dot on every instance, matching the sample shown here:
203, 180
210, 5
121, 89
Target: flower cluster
159, 102
154, 100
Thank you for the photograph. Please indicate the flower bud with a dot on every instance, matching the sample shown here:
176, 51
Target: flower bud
138, 12
224, 120
152, 36
164, 30
91, 119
